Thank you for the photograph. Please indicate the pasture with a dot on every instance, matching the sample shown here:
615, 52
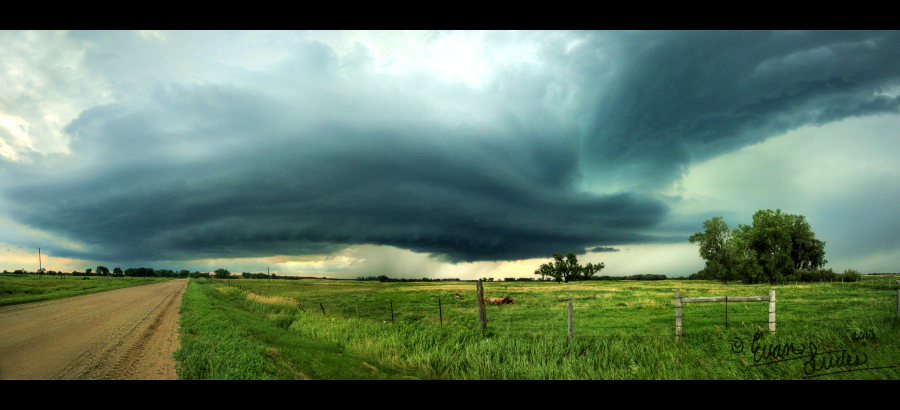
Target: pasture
824, 330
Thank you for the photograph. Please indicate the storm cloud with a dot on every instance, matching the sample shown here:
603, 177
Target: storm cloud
318, 150
682, 97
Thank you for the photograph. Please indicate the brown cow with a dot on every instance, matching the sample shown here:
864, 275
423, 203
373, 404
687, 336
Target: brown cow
498, 301
456, 295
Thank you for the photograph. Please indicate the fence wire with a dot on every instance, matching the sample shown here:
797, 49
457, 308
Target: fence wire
599, 317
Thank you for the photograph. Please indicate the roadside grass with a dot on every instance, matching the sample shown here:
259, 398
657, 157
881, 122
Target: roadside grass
627, 332
18, 289
226, 336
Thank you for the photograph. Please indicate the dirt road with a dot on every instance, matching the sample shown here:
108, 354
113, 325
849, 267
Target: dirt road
119, 334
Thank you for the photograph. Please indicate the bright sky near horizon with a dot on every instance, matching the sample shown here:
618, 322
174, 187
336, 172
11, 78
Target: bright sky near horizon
440, 154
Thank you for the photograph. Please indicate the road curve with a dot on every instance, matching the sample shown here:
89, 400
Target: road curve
125, 333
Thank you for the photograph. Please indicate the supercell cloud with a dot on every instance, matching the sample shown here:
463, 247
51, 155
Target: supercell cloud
326, 143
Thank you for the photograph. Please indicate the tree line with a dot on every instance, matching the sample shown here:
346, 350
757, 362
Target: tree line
385, 278
776, 247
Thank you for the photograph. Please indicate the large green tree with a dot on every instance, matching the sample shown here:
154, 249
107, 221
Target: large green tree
774, 246
770, 240
566, 268
807, 252
717, 249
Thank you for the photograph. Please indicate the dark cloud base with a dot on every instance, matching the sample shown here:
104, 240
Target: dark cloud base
215, 171
313, 191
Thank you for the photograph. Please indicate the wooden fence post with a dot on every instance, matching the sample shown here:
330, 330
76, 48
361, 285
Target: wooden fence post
677, 315
323, 309
571, 330
772, 311
481, 314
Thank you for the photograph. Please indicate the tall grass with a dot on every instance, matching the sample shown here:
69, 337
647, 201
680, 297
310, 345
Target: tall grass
627, 332
227, 336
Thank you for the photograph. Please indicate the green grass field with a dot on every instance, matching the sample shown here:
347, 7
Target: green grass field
626, 332
17, 289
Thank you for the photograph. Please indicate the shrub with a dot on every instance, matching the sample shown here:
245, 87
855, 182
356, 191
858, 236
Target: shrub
851, 275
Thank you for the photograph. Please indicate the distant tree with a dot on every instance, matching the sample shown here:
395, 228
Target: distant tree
567, 268
102, 270
851, 275
590, 269
222, 273
118, 272
88, 271
140, 272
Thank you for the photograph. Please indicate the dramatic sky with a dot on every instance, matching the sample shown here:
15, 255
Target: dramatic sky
440, 154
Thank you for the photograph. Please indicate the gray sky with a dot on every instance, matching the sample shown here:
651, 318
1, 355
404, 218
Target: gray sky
442, 154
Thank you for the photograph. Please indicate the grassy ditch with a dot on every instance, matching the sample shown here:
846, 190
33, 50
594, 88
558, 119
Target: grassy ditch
827, 331
18, 289
226, 335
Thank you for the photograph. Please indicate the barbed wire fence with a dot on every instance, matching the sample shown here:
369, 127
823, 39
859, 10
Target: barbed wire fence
593, 317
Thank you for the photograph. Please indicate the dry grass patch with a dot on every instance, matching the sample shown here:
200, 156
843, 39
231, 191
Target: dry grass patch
272, 300
370, 367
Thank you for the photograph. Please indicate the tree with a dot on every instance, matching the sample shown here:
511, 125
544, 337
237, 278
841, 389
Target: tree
771, 249
102, 270
717, 249
567, 268
88, 271
770, 240
118, 272
222, 273
590, 269
807, 252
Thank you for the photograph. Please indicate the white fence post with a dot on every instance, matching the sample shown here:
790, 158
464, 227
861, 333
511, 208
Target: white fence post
772, 311
677, 315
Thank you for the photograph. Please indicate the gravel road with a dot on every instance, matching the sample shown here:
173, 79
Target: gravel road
119, 334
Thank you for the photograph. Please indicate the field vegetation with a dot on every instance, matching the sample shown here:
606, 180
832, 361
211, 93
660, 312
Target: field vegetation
627, 331
18, 288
